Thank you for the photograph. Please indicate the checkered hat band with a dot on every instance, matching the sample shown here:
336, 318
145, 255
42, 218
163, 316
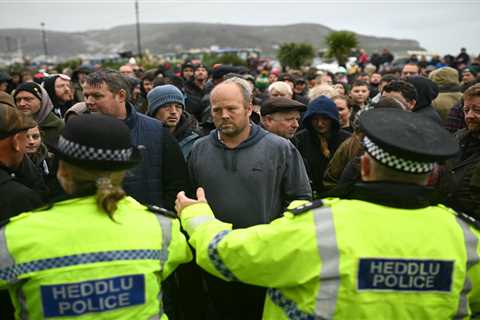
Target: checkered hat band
77, 151
395, 162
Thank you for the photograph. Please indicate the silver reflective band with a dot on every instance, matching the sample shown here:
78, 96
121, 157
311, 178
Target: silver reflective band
330, 263
166, 225
395, 162
471, 244
6, 260
78, 151
194, 222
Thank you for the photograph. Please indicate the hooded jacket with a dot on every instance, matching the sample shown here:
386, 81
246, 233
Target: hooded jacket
252, 183
449, 95
59, 107
308, 141
427, 91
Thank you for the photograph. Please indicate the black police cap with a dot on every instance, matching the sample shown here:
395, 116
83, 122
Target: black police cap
406, 141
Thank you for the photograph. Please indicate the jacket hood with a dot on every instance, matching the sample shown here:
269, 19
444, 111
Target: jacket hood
256, 134
321, 106
229, 156
427, 91
445, 76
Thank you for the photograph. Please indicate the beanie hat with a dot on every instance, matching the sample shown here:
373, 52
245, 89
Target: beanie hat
31, 87
162, 95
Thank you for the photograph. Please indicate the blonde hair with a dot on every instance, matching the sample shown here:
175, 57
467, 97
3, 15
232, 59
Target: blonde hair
106, 183
322, 90
282, 87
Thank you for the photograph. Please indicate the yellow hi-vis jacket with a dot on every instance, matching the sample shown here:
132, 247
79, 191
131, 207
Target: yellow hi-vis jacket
349, 259
74, 262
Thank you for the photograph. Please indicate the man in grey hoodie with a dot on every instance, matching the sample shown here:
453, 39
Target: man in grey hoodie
249, 176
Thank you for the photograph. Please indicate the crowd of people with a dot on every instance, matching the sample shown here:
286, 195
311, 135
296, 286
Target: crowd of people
103, 161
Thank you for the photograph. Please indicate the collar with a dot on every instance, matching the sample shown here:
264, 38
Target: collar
131, 119
390, 194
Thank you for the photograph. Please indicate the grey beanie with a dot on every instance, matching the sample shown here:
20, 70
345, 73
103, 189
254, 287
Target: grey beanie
162, 95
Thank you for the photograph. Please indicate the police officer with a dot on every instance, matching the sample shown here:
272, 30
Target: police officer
385, 251
99, 254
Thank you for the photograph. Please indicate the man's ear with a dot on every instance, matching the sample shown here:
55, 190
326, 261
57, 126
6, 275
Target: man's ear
412, 104
16, 143
121, 95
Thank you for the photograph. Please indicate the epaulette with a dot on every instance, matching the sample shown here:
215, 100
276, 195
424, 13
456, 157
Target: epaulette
468, 219
162, 211
306, 207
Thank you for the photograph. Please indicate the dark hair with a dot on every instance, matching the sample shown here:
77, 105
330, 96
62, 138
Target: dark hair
406, 89
113, 79
389, 77
388, 102
149, 75
359, 83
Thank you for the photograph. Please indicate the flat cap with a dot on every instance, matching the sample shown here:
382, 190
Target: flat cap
406, 141
281, 104
13, 121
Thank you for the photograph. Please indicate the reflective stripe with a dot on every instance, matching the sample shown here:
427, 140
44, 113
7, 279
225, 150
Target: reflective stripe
193, 223
166, 225
471, 244
329, 255
6, 260
215, 258
11, 273
288, 306
22, 300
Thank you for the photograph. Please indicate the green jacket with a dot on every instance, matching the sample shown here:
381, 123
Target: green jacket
74, 262
350, 259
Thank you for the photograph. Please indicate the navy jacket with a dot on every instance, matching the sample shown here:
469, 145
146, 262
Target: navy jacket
163, 172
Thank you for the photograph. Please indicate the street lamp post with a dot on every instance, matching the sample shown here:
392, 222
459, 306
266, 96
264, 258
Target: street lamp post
44, 39
139, 45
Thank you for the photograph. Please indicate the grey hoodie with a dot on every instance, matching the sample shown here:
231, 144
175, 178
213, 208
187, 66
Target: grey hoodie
252, 183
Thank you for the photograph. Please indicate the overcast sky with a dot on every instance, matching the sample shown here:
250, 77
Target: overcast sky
439, 26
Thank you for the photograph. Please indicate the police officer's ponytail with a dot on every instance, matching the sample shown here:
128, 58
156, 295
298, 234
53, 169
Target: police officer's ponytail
109, 192
106, 185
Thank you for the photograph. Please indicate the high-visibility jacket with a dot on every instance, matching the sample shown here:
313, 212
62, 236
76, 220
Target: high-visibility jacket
349, 259
74, 262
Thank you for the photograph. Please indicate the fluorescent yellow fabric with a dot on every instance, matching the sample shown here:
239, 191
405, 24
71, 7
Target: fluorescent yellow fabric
286, 256
73, 260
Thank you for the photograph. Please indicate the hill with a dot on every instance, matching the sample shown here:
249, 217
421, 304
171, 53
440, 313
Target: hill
171, 37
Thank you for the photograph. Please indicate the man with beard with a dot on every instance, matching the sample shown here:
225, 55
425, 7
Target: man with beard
249, 176
461, 182
59, 89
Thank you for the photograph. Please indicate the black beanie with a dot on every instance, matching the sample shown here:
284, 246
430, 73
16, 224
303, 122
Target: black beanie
31, 87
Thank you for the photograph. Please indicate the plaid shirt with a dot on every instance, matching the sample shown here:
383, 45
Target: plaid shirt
456, 119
